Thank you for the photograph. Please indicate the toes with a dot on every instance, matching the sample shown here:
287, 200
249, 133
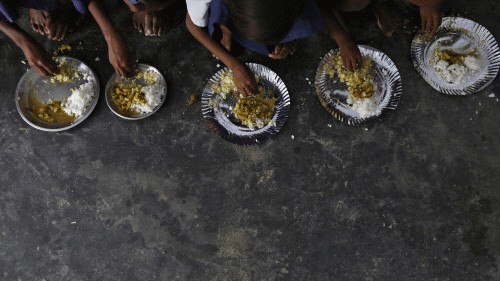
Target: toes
36, 28
61, 32
140, 27
388, 32
50, 31
154, 27
163, 29
148, 28
136, 26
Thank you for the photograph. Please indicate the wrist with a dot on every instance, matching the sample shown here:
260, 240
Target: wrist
112, 36
234, 64
431, 8
24, 41
341, 37
344, 40
431, 5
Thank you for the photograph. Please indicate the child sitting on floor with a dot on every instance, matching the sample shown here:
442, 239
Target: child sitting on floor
387, 18
387, 15
49, 18
267, 27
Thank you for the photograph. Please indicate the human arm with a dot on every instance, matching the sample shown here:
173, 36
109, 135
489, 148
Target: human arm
430, 14
37, 56
243, 77
117, 50
349, 51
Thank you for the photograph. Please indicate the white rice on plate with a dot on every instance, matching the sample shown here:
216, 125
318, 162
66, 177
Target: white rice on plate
365, 107
153, 95
455, 73
77, 103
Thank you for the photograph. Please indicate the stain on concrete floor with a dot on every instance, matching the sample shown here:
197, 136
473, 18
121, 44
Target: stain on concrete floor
412, 198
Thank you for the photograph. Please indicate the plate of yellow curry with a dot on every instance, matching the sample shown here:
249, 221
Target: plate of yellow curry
363, 96
58, 102
139, 96
246, 120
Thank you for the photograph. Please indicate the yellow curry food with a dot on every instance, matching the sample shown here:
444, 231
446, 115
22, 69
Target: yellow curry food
62, 49
50, 112
359, 82
128, 92
252, 111
452, 57
255, 110
124, 95
65, 74
193, 99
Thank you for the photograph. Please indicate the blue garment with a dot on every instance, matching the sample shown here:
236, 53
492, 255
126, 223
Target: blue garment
8, 9
306, 24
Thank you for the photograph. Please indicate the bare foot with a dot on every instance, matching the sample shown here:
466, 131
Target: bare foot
282, 51
54, 25
388, 17
151, 23
38, 20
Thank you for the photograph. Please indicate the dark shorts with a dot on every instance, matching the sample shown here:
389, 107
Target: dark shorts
307, 23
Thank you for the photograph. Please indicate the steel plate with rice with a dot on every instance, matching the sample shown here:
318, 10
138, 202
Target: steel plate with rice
221, 109
462, 58
59, 102
139, 96
377, 98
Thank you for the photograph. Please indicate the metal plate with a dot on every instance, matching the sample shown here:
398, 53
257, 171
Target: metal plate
116, 77
32, 83
333, 94
221, 120
460, 35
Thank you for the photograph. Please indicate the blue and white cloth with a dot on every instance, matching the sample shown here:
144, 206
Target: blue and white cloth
307, 23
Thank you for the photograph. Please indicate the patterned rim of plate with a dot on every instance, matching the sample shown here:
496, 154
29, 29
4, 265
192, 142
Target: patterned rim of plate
41, 125
383, 66
239, 134
142, 67
477, 34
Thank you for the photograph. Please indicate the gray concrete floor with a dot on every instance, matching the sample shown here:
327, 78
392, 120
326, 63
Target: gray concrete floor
415, 197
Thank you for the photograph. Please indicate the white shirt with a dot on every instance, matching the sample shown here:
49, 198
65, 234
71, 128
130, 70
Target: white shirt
198, 11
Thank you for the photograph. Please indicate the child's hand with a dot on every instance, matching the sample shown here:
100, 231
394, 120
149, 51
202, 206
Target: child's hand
38, 58
431, 19
119, 57
351, 56
282, 51
244, 80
